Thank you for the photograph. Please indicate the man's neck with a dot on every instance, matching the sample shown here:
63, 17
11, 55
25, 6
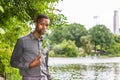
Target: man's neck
37, 35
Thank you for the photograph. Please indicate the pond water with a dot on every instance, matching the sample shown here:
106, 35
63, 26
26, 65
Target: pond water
89, 69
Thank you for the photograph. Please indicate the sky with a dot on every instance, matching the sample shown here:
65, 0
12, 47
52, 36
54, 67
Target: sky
90, 12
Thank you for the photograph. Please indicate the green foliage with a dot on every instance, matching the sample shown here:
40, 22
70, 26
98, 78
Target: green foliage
1, 9
74, 32
25, 8
101, 35
66, 48
57, 20
117, 38
13, 29
14, 75
2, 68
59, 48
114, 50
51, 53
83, 55
71, 50
86, 42
5, 69
2, 31
57, 35
69, 32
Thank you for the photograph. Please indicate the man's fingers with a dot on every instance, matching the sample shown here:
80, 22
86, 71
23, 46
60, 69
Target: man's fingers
38, 57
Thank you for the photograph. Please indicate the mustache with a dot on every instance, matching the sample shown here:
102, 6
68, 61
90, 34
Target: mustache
41, 32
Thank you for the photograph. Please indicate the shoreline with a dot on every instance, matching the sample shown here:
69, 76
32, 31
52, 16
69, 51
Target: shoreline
82, 60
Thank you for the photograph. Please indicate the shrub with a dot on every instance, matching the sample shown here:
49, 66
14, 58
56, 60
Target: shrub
71, 50
51, 53
5, 69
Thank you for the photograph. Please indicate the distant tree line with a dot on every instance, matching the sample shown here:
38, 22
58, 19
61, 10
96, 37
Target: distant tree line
98, 38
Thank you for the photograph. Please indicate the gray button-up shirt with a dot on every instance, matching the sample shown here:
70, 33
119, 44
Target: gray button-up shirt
26, 49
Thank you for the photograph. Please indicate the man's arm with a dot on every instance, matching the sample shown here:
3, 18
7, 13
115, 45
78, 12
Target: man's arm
17, 54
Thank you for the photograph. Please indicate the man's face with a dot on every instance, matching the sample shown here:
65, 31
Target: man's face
42, 26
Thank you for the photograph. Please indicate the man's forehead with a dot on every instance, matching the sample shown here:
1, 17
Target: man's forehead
44, 19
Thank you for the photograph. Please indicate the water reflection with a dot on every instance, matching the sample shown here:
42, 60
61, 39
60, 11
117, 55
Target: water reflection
93, 71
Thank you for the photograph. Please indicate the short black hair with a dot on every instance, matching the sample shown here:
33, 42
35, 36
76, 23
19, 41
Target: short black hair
41, 16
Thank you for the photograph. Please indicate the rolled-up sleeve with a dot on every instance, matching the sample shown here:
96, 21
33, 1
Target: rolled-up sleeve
17, 55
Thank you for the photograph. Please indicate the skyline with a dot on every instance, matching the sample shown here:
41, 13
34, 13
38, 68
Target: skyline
90, 12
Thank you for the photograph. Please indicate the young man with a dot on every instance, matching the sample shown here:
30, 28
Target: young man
29, 56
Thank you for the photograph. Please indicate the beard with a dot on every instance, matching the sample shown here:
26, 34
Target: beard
40, 32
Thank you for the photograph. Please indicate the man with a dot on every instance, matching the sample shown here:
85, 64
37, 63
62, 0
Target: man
29, 56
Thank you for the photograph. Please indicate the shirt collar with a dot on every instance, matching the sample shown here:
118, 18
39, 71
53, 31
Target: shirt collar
33, 37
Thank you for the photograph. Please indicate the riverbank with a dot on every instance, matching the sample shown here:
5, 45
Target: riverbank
82, 60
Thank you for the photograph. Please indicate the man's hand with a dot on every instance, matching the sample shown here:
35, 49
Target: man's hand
35, 62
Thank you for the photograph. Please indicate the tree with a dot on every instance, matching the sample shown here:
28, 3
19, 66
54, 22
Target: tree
86, 43
114, 48
74, 32
117, 38
71, 32
101, 36
16, 14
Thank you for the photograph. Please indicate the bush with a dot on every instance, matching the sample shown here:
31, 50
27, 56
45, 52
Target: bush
59, 48
51, 53
5, 69
114, 50
66, 48
71, 50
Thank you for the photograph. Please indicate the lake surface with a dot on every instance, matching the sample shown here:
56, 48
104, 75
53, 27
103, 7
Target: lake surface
85, 68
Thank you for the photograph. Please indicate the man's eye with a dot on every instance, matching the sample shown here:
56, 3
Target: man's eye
44, 24
41, 23
47, 24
